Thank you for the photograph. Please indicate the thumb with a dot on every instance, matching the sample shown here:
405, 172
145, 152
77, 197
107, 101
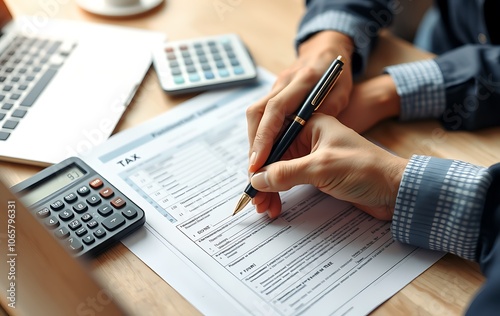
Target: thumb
281, 176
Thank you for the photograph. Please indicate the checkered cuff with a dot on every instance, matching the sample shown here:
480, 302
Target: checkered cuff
439, 205
421, 88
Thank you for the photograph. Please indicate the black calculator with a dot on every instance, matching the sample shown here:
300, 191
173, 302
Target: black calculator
203, 63
80, 207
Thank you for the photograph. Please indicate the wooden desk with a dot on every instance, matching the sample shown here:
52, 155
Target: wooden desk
268, 28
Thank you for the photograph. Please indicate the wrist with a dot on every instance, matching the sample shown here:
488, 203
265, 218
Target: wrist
394, 174
329, 44
389, 100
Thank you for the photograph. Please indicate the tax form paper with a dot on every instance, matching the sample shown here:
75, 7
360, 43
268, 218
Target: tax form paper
187, 169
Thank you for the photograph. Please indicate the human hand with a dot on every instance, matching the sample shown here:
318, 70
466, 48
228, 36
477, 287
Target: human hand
267, 116
371, 101
339, 162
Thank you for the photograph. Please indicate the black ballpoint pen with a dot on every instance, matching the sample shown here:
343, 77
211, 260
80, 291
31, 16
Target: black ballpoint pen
311, 104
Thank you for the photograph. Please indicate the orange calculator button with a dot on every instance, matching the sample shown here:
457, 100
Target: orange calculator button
118, 202
106, 193
96, 183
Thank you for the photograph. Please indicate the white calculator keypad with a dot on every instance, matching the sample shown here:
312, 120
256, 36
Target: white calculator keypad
203, 64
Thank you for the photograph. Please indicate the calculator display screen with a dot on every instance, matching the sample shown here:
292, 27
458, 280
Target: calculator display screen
51, 184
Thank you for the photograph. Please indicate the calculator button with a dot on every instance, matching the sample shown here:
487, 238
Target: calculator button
57, 205
209, 75
51, 222
217, 57
194, 78
3, 135
171, 56
197, 45
99, 233
92, 224
190, 69
75, 224
84, 190
70, 198
183, 47
94, 200
105, 210
118, 202
106, 193
81, 231
238, 71
88, 240
220, 64
66, 215
185, 54
80, 207
169, 49
188, 61
174, 64
234, 62
178, 79
231, 55
113, 222
206, 67
74, 245
129, 213
96, 183
86, 217
223, 73
62, 233
203, 59
44, 212
176, 72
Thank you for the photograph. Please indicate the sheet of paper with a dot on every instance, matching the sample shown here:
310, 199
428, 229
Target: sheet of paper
187, 170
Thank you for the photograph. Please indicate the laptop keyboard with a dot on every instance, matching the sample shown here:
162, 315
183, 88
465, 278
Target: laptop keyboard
26, 67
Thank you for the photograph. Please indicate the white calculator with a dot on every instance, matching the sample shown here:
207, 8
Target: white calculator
203, 63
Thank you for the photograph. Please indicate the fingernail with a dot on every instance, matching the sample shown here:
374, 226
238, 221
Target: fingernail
259, 181
253, 156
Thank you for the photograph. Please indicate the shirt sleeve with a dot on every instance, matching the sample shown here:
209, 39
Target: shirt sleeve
421, 88
461, 88
440, 204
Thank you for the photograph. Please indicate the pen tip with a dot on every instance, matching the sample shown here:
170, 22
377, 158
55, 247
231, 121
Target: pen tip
244, 200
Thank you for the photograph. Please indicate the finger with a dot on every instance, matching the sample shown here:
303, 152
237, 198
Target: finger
261, 201
283, 175
277, 109
254, 115
274, 209
255, 111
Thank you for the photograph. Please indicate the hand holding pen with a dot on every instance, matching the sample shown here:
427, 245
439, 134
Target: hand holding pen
311, 104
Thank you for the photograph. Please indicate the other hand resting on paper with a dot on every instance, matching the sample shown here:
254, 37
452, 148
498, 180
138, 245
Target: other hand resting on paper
339, 162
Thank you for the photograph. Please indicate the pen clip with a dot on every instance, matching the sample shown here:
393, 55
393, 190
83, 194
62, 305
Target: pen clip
327, 86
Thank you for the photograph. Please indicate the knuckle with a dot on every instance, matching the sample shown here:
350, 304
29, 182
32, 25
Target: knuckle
308, 74
254, 110
274, 103
264, 135
279, 178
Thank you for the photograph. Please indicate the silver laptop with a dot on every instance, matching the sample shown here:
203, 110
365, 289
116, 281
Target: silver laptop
65, 84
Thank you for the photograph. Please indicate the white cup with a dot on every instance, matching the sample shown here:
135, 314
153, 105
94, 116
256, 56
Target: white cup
122, 3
